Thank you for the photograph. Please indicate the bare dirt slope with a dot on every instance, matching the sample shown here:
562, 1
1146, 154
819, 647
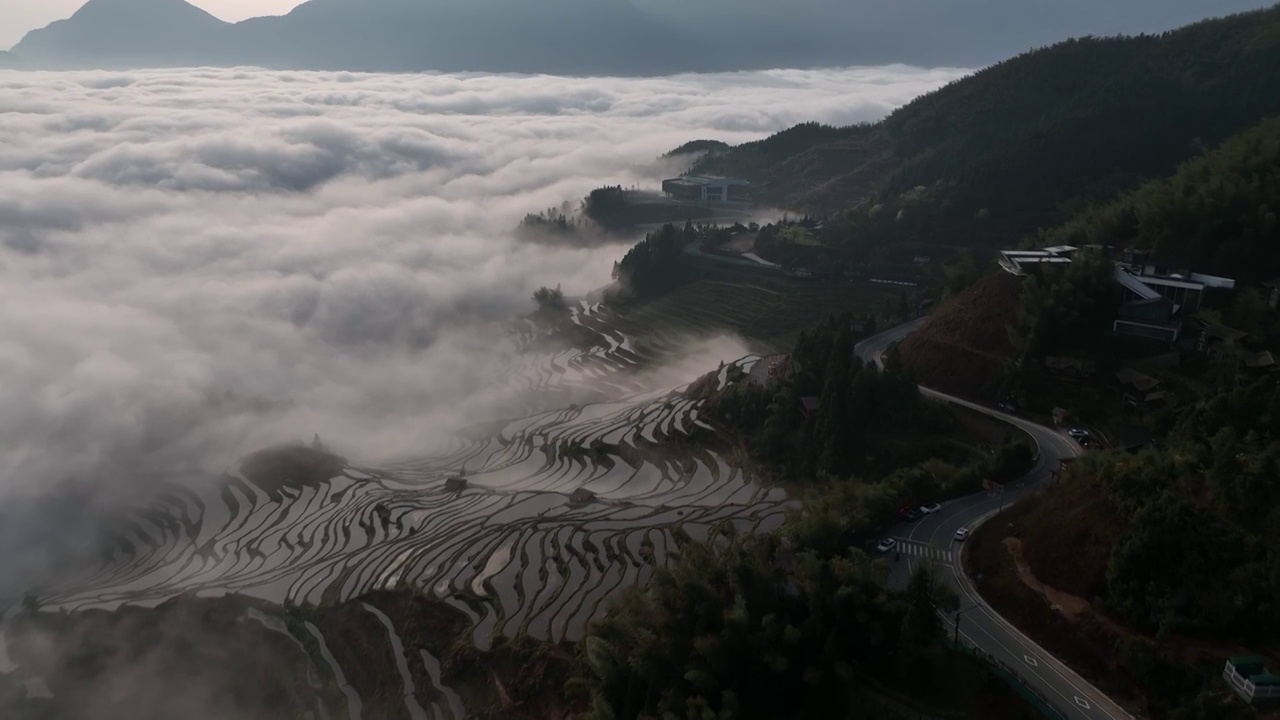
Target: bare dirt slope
964, 347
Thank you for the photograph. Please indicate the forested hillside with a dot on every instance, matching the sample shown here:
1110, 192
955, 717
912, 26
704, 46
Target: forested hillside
1028, 142
1217, 213
1167, 561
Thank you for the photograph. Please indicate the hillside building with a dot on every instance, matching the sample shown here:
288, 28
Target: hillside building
1183, 288
1017, 262
707, 188
1154, 300
1250, 679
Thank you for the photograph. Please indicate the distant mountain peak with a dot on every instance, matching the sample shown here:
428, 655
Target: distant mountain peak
125, 33
115, 7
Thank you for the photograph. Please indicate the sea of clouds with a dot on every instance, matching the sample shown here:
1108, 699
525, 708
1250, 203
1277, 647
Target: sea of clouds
196, 264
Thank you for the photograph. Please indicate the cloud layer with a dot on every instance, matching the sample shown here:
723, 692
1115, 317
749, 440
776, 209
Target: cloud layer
194, 264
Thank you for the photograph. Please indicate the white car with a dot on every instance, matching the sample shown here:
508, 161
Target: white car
886, 545
1078, 432
930, 509
961, 534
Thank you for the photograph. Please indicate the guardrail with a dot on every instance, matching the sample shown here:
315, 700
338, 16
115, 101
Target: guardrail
1013, 679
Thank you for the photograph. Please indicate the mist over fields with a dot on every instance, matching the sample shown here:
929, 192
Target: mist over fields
196, 264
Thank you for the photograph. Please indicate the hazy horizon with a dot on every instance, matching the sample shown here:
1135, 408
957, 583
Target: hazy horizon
18, 17
618, 37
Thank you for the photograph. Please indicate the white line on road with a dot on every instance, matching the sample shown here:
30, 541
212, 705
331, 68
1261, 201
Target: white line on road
1031, 661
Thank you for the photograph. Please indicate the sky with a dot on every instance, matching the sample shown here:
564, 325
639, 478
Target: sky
198, 264
17, 17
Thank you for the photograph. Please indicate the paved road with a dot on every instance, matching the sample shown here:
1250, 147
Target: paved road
931, 540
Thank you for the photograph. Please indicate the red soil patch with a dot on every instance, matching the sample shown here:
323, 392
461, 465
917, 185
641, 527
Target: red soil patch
964, 346
1068, 605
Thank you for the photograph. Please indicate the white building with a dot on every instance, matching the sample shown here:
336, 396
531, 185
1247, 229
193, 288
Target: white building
1017, 261
707, 188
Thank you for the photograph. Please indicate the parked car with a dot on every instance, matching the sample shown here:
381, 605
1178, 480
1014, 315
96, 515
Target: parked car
962, 534
930, 509
913, 514
1079, 432
886, 545
1008, 407
1085, 442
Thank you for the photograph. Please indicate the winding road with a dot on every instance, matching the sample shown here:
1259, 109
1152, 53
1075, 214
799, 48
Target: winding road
931, 539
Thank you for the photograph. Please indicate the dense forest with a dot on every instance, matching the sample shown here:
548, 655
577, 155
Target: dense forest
753, 630
653, 265
859, 451
1176, 548
853, 400
1200, 552
1028, 142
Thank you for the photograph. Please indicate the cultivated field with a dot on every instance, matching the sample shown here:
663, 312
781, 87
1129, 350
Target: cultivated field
771, 312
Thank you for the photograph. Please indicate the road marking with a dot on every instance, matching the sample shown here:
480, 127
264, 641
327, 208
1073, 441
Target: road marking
915, 548
1031, 661
1018, 638
1083, 703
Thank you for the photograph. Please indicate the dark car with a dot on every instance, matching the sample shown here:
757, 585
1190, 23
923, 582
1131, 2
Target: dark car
912, 515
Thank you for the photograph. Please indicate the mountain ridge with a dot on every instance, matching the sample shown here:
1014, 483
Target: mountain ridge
988, 158
492, 35
575, 37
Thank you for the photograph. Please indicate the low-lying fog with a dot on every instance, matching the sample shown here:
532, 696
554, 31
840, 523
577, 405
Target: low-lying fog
195, 264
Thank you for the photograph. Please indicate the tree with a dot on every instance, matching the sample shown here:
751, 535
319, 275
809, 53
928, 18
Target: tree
922, 629
549, 299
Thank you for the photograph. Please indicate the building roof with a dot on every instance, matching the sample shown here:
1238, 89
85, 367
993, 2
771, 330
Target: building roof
1131, 283
711, 180
1158, 309
1066, 363
1214, 281
1136, 380
1244, 661
1014, 260
1223, 333
1262, 359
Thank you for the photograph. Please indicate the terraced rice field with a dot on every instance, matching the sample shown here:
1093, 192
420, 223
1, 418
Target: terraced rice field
511, 549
